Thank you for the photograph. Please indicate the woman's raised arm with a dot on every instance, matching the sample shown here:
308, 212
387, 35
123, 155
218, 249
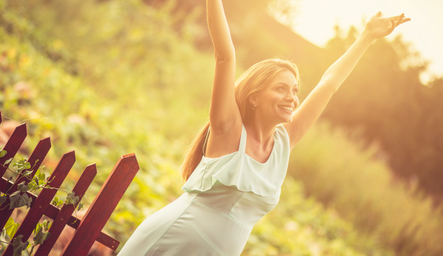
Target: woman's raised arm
224, 113
309, 111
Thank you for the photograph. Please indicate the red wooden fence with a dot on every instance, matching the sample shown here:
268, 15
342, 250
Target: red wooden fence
88, 230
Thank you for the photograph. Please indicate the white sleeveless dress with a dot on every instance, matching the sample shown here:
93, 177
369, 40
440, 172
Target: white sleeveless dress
224, 198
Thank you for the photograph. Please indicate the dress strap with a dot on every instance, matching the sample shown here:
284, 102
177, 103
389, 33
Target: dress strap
206, 140
242, 147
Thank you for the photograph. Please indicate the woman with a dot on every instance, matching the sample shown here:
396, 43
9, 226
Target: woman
237, 164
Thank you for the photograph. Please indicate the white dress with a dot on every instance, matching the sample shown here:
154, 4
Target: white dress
224, 198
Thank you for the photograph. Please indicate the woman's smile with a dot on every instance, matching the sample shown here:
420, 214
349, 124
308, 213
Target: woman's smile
287, 109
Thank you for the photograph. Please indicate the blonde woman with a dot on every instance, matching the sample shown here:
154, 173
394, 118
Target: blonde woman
237, 163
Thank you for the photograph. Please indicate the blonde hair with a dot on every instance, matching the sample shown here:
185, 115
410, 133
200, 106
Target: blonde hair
253, 80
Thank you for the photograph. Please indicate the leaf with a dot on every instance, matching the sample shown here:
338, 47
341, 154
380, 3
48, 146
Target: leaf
19, 200
80, 206
22, 187
41, 236
27, 166
57, 202
41, 176
11, 227
27, 173
32, 185
19, 246
37, 229
3, 153
41, 232
8, 161
72, 198
46, 225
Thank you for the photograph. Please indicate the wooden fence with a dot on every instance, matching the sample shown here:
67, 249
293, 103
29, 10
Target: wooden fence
88, 229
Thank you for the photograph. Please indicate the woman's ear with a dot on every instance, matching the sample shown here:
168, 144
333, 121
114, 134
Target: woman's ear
253, 99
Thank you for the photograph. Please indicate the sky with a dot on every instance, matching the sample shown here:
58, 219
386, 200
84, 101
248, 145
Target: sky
315, 19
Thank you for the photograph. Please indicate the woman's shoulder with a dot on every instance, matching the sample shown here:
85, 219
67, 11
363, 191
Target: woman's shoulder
281, 137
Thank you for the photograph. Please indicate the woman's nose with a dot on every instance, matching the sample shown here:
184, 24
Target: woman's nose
291, 97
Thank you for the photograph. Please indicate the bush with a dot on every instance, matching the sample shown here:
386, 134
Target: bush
360, 187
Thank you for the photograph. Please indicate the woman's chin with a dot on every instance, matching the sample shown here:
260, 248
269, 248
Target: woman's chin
285, 120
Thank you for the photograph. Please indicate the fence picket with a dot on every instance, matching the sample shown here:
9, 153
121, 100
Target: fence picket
36, 158
73, 222
66, 211
103, 206
44, 199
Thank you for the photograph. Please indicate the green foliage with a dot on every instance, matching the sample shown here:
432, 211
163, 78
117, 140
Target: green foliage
110, 77
26, 183
301, 226
57, 202
41, 234
19, 199
360, 187
19, 245
71, 198
88, 117
10, 229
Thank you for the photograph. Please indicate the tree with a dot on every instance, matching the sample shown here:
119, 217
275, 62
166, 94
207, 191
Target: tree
384, 100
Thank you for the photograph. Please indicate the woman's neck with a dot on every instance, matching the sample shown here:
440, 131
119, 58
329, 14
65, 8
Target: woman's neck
260, 131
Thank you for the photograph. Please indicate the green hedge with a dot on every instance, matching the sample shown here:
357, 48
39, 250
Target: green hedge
360, 187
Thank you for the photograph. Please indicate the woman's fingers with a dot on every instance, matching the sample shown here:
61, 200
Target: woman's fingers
405, 20
393, 25
400, 19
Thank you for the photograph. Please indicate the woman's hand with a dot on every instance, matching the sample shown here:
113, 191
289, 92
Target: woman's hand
380, 27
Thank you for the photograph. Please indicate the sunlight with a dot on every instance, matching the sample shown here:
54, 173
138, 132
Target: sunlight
315, 20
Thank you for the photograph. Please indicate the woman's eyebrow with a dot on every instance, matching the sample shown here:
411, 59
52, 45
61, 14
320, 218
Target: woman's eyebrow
285, 84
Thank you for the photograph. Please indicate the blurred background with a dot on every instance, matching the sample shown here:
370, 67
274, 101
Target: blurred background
110, 77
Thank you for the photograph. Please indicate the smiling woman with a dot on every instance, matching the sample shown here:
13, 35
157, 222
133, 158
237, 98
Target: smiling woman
236, 165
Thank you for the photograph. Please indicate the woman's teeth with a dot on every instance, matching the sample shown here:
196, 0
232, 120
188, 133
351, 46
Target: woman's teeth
286, 108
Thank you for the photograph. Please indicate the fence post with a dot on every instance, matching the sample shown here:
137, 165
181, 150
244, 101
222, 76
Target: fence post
66, 211
36, 158
103, 206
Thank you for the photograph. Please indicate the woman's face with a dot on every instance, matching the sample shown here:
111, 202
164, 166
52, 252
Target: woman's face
278, 100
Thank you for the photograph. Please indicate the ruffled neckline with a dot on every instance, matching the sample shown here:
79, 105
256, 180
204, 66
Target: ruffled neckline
242, 171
